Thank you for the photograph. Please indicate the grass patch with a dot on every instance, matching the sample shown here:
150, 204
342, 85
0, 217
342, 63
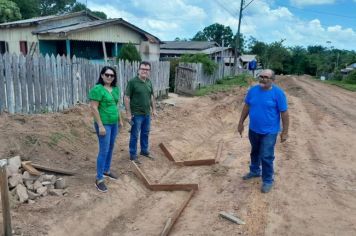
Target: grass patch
55, 138
341, 84
225, 84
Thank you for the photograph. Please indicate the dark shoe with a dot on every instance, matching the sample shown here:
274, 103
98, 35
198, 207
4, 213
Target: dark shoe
148, 155
250, 176
266, 188
100, 185
111, 175
136, 161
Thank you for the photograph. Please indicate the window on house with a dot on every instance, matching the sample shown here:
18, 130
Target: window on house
3, 47
23, 47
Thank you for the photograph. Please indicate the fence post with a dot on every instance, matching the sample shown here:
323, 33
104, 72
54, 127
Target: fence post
5, 199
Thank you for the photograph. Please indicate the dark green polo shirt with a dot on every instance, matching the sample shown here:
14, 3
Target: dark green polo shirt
108, 110
140, 93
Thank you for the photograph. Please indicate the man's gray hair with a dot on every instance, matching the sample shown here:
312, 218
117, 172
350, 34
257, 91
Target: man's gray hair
273, 75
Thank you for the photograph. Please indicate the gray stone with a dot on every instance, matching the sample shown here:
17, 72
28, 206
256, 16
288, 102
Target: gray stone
28, 176
37, 185
60, 183
14, 180
21, 192
32, 195
40, 178
51, 178
50, 187
46, 183
29, 184
13, 165
56, 192
43, 191
31, 201
231, 217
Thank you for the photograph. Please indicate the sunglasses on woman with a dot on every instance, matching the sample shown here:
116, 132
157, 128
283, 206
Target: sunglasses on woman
109, 75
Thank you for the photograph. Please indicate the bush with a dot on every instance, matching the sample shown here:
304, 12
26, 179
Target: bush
129, 52
351, 77
209, 66
337, 76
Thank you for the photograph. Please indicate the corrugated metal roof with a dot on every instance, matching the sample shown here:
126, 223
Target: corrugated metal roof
247, 58
75, 27
28, 21
93, 24
38, 20
191, 51
188, 45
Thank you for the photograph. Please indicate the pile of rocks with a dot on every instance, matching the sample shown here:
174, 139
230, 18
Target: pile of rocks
25, 187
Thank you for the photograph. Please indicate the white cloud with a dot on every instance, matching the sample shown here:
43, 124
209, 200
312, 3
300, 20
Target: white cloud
301, 3
183, 18
161, 18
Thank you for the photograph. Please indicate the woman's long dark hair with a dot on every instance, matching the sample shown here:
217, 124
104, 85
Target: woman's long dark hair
101, 81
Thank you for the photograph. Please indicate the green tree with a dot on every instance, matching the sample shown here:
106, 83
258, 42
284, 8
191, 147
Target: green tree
28, 8
299, 60
216, 33
129, 52
78, 7
260, 49
81, 7
181, 39
278, 57
209, 66
351, 77
53, 7
9, 11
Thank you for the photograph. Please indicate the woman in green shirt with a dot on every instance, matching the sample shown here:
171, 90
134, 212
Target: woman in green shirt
104, 97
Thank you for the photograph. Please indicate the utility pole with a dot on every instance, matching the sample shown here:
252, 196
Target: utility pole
237, 42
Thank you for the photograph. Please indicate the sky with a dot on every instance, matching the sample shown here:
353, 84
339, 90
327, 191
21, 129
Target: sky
330, 23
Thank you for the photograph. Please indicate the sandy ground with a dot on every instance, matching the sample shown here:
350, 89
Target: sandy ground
314, 193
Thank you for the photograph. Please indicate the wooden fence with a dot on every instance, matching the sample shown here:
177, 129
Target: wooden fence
191, 76
35, 84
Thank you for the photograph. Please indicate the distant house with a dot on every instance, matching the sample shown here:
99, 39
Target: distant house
81, 34
246, 59
348, 69
175, 49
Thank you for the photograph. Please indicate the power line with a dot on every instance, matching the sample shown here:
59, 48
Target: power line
225, 8
247, 5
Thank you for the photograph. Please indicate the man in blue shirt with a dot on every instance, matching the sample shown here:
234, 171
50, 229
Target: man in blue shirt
265, 104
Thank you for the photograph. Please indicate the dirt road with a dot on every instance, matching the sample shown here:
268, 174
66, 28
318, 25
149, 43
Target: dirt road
314, 193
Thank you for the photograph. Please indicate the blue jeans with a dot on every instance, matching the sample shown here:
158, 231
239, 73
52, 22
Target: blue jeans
262, 153
106, 146
140, 124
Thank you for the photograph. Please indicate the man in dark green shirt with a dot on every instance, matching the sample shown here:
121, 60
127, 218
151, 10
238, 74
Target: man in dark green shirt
139, 103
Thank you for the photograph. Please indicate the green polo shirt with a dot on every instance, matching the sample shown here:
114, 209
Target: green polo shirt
139, 92
108, 110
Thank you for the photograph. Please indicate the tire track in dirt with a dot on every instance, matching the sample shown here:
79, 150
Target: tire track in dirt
317, 167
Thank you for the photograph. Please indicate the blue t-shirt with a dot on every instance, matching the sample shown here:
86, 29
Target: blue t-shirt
265, 108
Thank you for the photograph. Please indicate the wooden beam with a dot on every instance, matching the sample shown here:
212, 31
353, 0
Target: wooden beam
141, 176
5, 199
166, 152
174, 187
55, 170
219, 151
28, 166
172, 220
197, 162
163, 187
